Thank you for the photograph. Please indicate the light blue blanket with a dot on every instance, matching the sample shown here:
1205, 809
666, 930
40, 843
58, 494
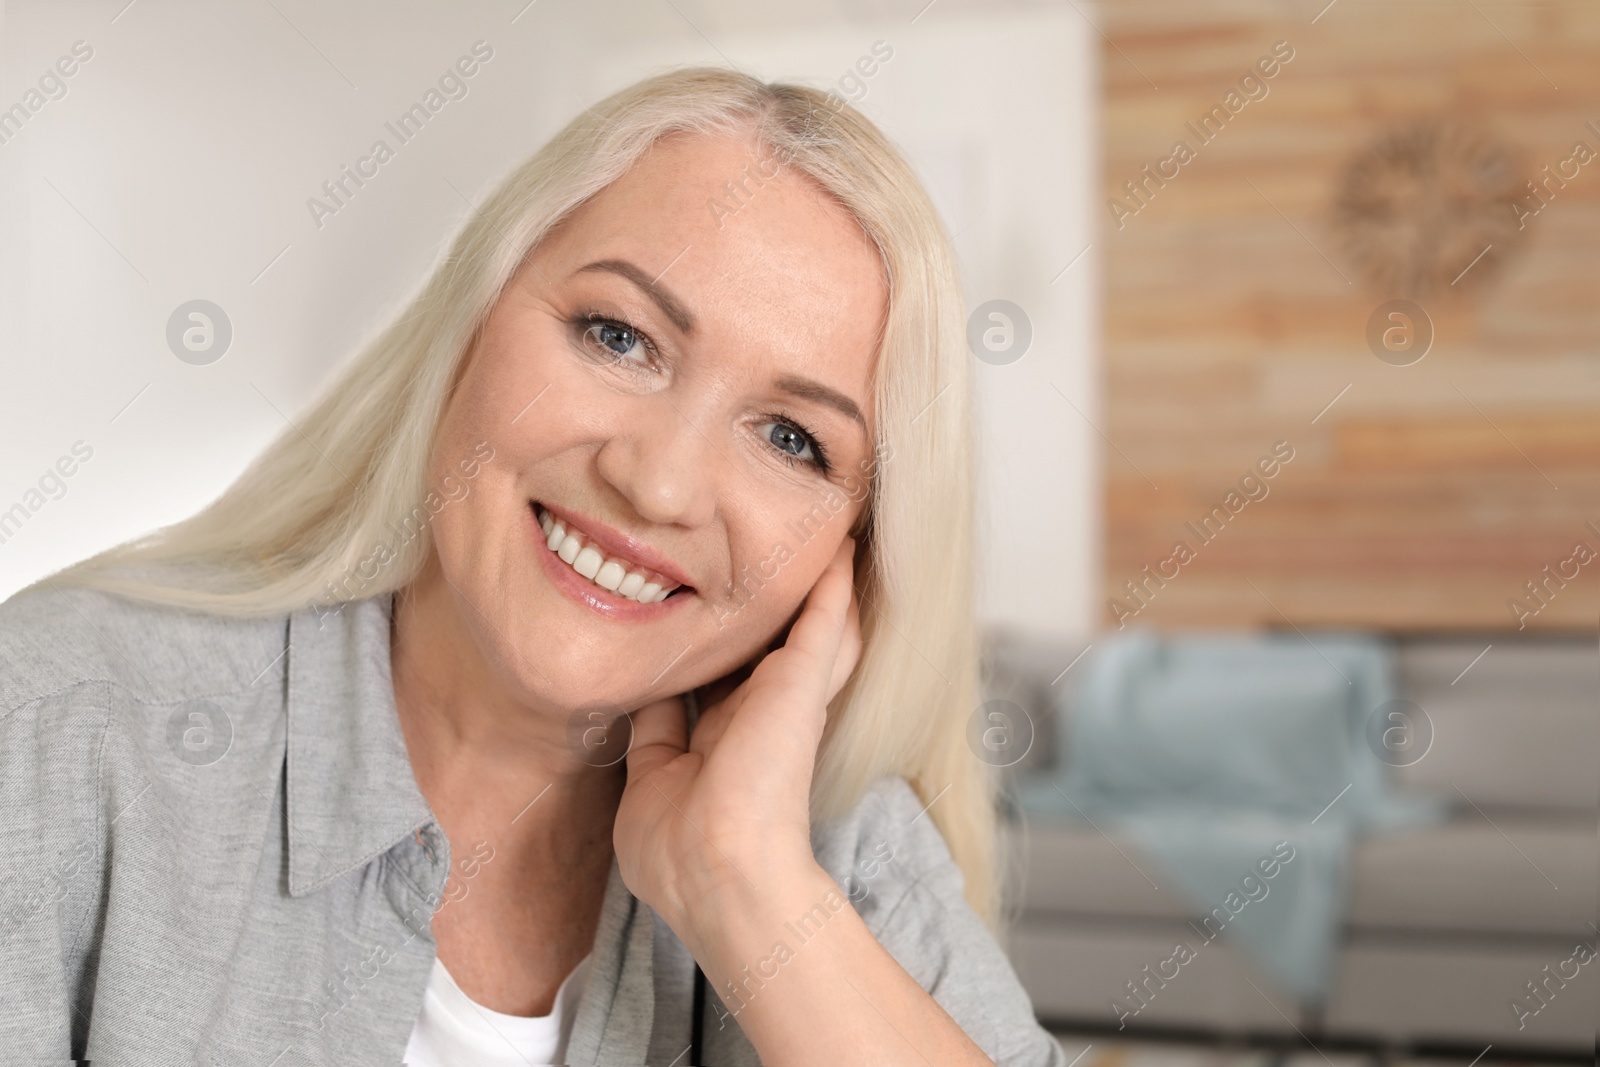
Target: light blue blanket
1212, 753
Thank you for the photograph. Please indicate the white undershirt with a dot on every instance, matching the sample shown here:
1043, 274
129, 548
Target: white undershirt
455, 1031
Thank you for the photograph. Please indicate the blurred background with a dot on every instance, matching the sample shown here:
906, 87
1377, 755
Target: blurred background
1286, 321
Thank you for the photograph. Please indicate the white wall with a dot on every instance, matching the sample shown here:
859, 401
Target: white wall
178, 165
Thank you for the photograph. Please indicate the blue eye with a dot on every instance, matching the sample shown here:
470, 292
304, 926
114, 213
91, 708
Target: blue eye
617, 340
794, 444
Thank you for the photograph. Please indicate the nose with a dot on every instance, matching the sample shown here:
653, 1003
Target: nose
664, 464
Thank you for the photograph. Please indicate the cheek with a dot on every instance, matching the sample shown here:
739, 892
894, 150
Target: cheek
775, 566
772, 595
488, 521
470, 430
743, 628
523, 407
517, 373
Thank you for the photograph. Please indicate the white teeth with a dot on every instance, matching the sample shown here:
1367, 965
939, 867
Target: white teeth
610, 575
588, 562
616, 575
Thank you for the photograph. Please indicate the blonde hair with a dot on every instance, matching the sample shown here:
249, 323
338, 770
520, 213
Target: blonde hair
301, 517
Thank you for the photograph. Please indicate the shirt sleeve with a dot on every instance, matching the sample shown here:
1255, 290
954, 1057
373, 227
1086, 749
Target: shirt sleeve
909, 891
51, 863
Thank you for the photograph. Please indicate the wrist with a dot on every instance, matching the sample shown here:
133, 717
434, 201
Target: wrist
749, 907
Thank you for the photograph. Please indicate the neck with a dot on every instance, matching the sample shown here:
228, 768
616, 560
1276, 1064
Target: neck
490, 762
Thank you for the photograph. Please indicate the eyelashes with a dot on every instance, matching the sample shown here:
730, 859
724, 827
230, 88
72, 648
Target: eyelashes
820, 462
596, 330
598, 333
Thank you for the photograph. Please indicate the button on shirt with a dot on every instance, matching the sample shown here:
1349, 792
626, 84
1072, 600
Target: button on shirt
214, 851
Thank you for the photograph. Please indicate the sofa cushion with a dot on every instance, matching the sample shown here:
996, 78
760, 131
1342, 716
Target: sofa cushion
1466, 876
1516, 875
1463, 994
1102, 975
1517, 729
1513, 728
1070, 871
1106, 974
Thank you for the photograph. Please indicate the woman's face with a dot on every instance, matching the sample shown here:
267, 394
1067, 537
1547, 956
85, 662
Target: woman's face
680, 376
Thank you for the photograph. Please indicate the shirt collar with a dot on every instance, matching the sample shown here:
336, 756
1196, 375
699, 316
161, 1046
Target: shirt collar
352, 796
350, 789
616, 1011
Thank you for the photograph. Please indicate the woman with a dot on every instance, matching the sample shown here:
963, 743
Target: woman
543, 626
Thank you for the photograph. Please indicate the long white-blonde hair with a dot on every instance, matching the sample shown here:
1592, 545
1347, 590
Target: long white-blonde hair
291, 527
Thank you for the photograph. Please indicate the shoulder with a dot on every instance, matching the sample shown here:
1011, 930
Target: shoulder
886, 844
113, 713
56, 639
895, 868
101, 696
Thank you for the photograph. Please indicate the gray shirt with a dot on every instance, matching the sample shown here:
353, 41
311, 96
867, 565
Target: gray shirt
213, 850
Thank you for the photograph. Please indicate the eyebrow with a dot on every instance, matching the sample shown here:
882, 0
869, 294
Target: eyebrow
670, 305
807, 389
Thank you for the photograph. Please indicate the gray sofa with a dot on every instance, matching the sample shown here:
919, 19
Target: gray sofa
1447, 927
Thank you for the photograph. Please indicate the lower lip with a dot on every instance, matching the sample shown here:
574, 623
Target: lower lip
578, 588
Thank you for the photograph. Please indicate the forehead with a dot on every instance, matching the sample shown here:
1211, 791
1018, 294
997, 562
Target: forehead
770, 264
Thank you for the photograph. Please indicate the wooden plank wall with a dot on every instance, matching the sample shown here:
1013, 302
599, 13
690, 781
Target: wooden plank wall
1238, 295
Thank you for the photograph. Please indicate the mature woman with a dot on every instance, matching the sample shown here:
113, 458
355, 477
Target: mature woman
519, 695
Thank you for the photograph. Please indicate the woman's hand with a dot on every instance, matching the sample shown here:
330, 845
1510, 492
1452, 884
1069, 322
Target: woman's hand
714, 833
729, 807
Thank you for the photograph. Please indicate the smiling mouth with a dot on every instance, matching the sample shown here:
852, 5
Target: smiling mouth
613, 573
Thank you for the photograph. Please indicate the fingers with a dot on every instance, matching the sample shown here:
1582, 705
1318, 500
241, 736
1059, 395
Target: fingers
816, 636
660, 735
713, 723
849, 653
816, 657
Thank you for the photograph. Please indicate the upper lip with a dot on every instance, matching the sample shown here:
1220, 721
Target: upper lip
613, 542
